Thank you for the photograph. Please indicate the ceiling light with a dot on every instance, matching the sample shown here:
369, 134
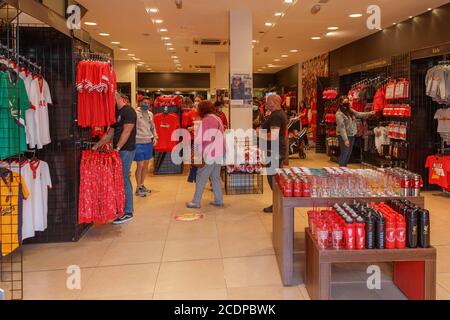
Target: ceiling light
333, 28
170, 49
411, 17
255, 41
355, 15
104, 34
429, 9
279, 14
168, 44
152, 10
149, 69
394, 23
163, 30
284, 56
158, 21
165, 38
123, 49
316, 38
131, 54
294, 50
329, 34
276, 60
90, 23
115, 42
269, 24
288, 1
174, 57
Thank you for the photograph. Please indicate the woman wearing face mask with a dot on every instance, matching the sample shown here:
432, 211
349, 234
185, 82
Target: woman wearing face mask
347, 128
257, 115
146, 139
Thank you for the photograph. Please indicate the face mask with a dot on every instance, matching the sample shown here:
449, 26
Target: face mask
145, 107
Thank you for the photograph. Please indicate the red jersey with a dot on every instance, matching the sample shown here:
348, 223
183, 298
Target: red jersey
439, 171
166, 125
224, 119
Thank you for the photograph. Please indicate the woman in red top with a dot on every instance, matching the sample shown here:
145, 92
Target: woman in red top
303, 115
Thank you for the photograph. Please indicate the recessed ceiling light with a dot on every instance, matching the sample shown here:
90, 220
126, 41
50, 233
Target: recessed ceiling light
279, 14
276, 60
255, 41
165, 38
123, 49
168, 44
411, 17
152, 10
268, 24
294, 50
316, 38
355, 15
174, 57
90, 23
148, 69
131, 54
329, 34
115, 42
288, 1
394, 23
176, 61
158, 21
333, 28
163, 30
429, 9
284, 56
170, 49
104, 34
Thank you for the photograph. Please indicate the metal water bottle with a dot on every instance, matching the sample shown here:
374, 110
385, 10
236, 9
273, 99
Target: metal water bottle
411, 228
370, 232
381, 232
424, 228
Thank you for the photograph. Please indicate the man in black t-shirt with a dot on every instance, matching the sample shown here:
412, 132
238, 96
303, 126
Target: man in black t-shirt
123, 136
276, 126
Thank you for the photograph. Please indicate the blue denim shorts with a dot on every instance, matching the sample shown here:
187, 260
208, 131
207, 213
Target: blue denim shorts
144, 152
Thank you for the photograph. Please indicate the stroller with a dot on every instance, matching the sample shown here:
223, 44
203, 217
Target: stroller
297, 138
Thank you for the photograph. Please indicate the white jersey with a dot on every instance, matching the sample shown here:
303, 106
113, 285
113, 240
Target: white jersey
39, 129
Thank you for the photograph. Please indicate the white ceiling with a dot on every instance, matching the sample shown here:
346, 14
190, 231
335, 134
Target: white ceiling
128, 21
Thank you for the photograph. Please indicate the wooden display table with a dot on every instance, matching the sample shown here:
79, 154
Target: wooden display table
283, 224
414, 271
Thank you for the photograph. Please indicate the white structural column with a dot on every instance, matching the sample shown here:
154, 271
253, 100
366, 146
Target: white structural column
222, 71
241, 62
126, 73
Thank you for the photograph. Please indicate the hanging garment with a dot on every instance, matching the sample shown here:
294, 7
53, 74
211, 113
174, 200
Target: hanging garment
166, 125
437, 82
12, 191
13, 105
38, 126
439, 171
102, 194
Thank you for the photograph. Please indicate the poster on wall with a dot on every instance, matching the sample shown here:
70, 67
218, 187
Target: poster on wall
241, 89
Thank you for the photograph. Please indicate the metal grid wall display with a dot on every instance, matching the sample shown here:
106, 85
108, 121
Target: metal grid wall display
424, 139
12, 145
54, 51
244, 183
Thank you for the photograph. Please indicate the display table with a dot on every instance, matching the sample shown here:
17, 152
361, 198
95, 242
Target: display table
283, 224
414, 269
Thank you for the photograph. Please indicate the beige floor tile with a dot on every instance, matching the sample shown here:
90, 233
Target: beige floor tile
60, 256
251, 271
443, 259
132, 297
250, 228
52, 285
141, 232
442, 293
190, 275
121, 281
243, 247
265, 293
443, 279
194, 249
208, 295
124, 253
201, 229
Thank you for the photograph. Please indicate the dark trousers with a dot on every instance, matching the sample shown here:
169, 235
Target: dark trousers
270, 177
346, 153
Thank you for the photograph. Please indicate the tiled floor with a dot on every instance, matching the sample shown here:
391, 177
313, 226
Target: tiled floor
227, 255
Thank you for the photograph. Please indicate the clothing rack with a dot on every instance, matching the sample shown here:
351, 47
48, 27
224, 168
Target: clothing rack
96, 56
368, 81
20, 58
